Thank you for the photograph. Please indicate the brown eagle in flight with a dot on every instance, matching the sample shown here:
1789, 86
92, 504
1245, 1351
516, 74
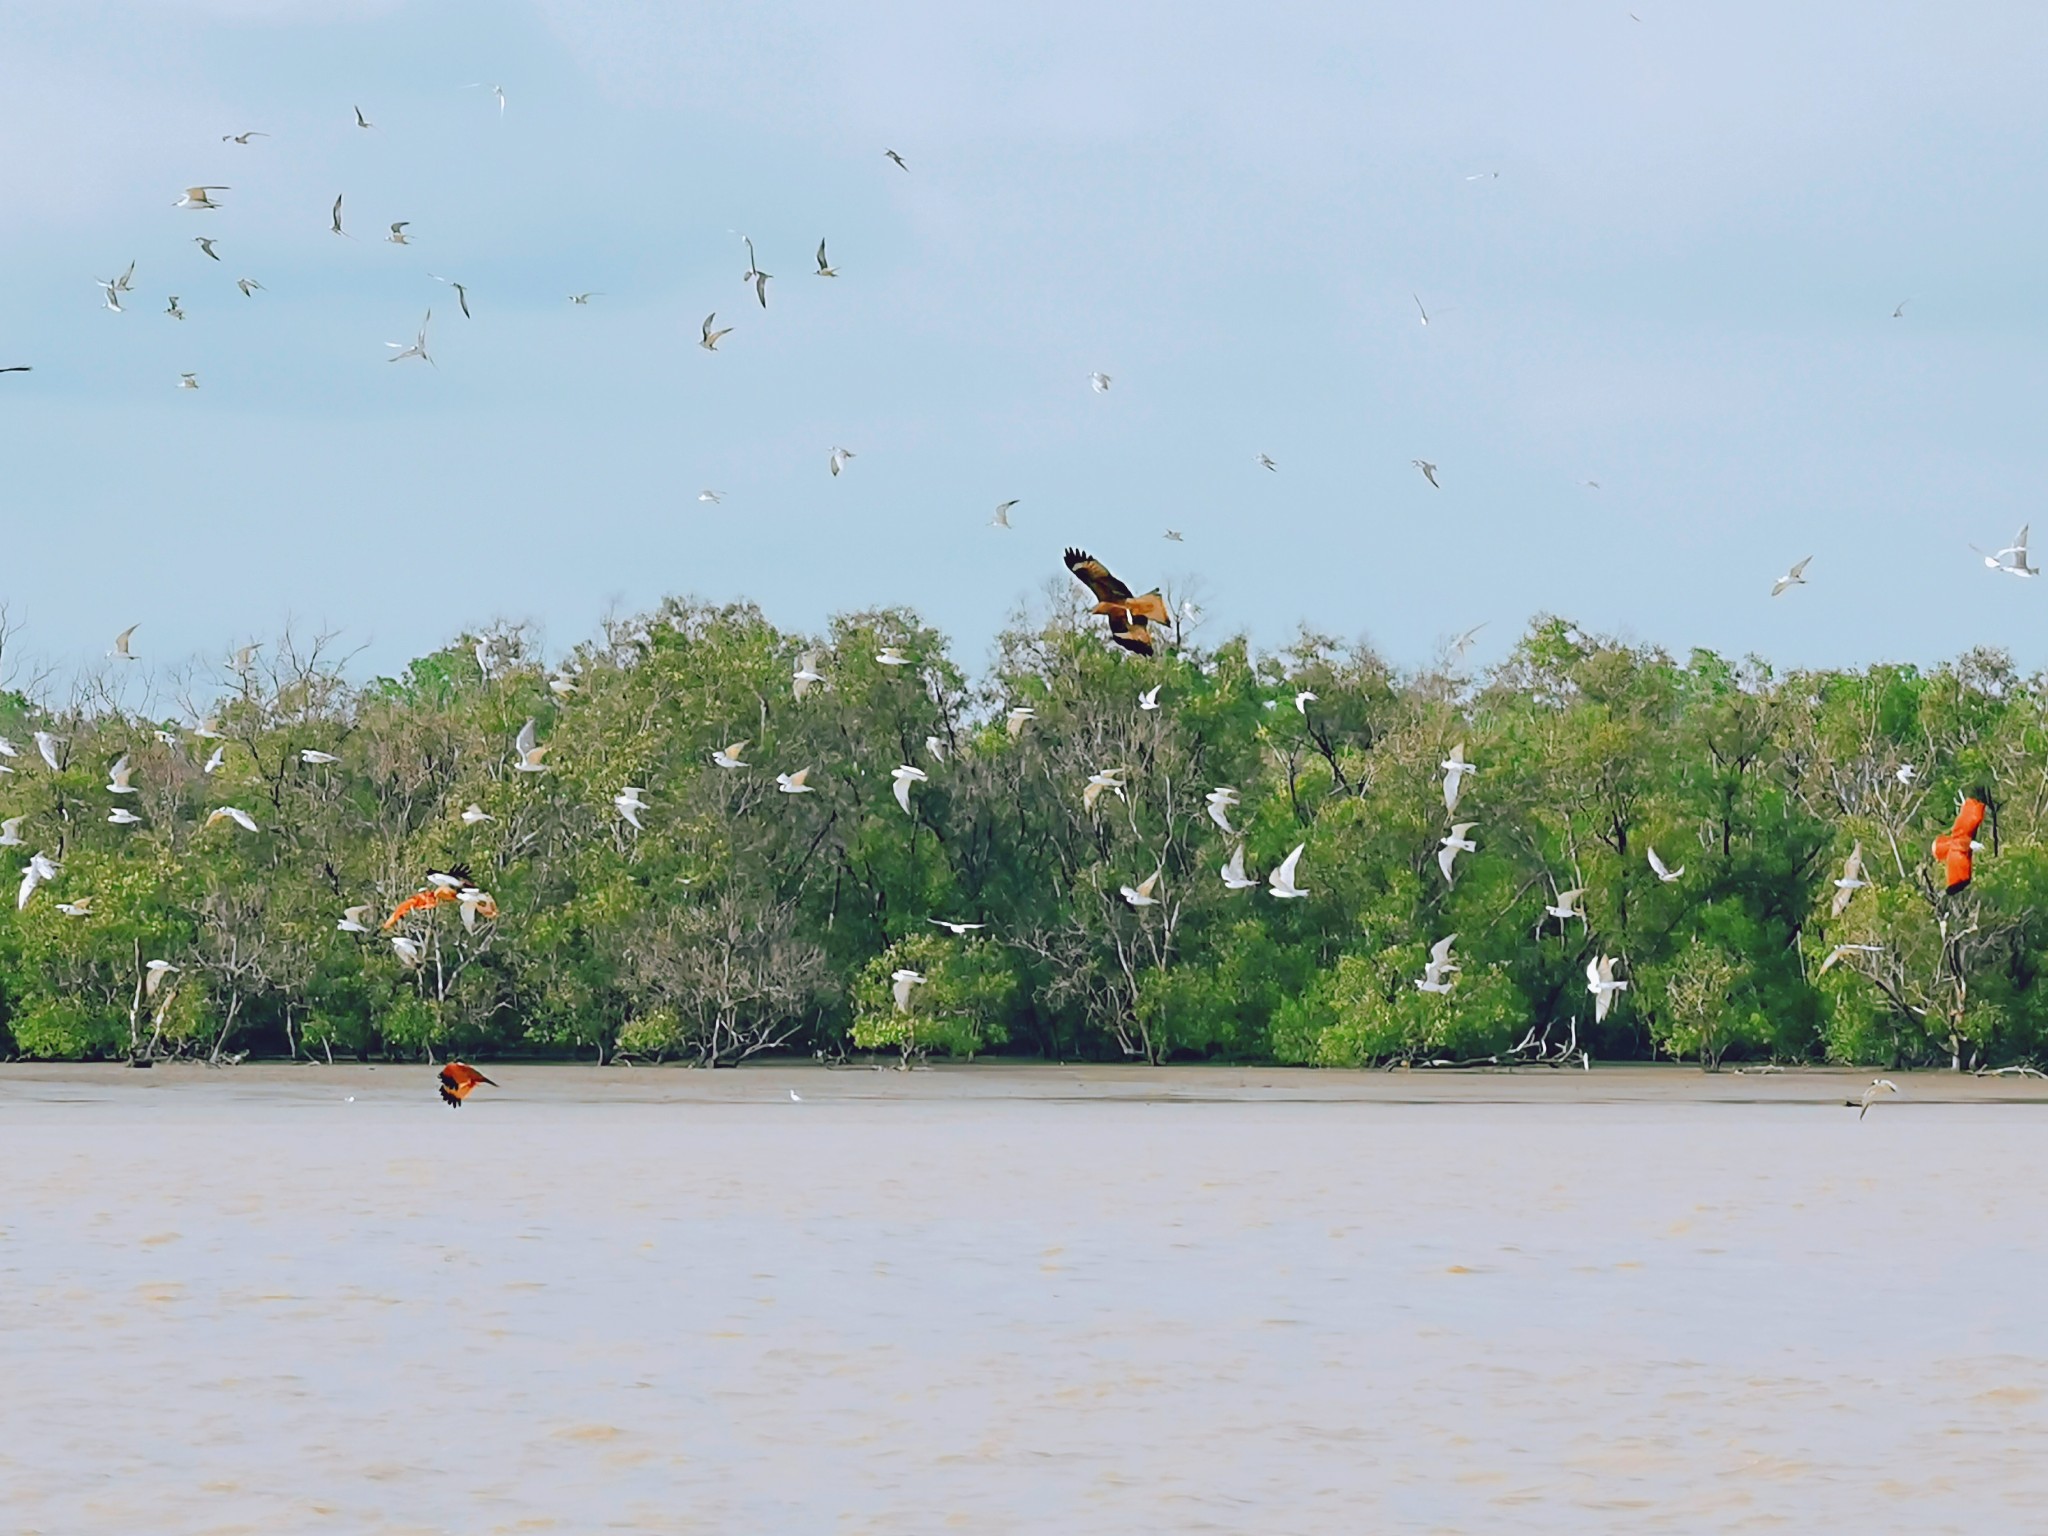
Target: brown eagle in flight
1129, 614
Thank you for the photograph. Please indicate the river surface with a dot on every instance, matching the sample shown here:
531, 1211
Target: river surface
285, 1300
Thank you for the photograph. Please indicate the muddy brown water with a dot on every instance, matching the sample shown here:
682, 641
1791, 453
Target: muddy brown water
998, 1299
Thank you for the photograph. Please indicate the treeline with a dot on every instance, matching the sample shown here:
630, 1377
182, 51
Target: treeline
741, 917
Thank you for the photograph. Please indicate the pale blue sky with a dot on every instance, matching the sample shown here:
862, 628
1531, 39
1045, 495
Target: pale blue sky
1680, 285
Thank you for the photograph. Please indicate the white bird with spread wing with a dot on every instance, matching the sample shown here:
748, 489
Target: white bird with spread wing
239, 817
794, 783
1140, 895
1234, 877
806, 676
40, 867
728, 756
629, 804
904, 777
1663, 872
1015, 721
1281, 880
904, 980
1440, 967
2013, 558
46, 748
529, 750
1449, 847
1220, 800
1566, 907
1601, 983
1796, 577
1110, 779
1850, 883
118, 776
1456, 770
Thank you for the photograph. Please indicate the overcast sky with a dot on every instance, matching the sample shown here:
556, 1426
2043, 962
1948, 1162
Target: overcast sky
1661, 254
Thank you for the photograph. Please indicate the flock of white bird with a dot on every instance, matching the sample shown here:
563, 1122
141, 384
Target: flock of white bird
1282, 882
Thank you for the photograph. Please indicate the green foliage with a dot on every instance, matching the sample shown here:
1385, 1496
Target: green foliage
960, 1009
737, 919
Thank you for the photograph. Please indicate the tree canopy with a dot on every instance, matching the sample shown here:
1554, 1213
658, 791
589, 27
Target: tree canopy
740, 917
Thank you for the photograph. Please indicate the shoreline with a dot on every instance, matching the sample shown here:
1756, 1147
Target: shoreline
1632, 1083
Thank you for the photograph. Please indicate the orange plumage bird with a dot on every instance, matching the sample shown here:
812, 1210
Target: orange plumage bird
458, 1078
1128, 613
1953, 851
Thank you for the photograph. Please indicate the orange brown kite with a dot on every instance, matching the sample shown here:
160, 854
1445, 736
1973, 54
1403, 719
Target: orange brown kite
458, 1078
1129, 613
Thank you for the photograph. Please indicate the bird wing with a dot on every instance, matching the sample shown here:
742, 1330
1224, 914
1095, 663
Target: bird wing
1096, 577
1968, 819
1956, 861
1445, 857
1283, 877
526, 739
1440, 951
903, 794
1657, 864
1233, 868
1853, 869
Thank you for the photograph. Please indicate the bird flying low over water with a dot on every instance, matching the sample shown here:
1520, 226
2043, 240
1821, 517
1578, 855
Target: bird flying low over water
1878, 1086
458, 1080
1129, 614
1954, 850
